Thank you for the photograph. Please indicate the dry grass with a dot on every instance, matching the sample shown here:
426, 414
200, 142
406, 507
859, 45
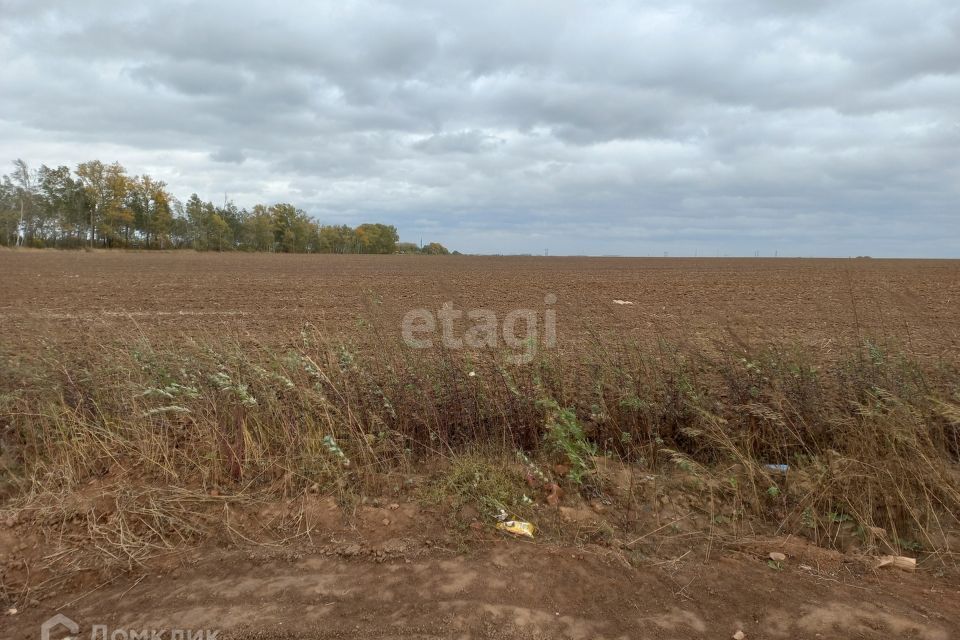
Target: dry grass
178, 430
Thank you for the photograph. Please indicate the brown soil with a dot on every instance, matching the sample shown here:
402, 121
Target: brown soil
826, 304
405, 579
398, 567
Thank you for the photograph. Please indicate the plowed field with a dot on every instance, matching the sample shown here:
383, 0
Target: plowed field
821, 304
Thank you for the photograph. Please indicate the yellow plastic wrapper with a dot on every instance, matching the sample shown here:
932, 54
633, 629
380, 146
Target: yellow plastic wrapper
517, 528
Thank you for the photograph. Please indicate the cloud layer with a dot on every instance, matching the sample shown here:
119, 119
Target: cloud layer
721, 126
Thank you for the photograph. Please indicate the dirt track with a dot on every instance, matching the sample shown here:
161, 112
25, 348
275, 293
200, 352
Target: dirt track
400, 570
818, 303
510, 589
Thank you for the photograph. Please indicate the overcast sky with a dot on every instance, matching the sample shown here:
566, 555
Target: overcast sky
813, 127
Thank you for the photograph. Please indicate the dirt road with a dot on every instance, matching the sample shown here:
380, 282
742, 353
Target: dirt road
505, 589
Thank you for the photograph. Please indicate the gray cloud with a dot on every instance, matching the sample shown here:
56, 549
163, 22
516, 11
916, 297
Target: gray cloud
228, 155
469, 141
808, 128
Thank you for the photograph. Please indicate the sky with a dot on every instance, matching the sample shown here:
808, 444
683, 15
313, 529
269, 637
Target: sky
718, 127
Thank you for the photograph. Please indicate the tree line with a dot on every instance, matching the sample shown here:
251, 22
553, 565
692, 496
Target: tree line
101, 205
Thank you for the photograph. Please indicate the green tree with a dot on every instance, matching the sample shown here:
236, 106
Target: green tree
435, 249
218, 233
377, 238
336, 239
293, 230
257, 230
99, 204
25, 190
94, 182
118, 219
8, 212
62, 206
106, 189
233, 217
181, 231
197, 214
160, 220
